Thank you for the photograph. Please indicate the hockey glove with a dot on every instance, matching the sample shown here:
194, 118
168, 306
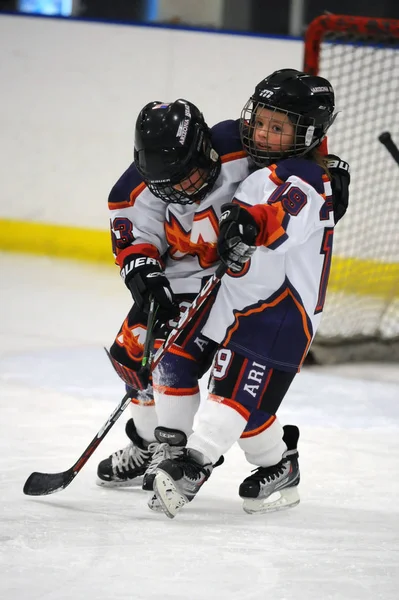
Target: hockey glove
340, 180
237, 236
145, 277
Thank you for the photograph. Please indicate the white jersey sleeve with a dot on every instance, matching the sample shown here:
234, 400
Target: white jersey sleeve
288, 211
137, 218
270, 311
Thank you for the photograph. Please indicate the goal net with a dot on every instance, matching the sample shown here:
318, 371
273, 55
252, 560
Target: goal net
360, 57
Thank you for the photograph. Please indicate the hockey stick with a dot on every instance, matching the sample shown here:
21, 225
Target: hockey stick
41, 484
387, 141
127, 375
147, 354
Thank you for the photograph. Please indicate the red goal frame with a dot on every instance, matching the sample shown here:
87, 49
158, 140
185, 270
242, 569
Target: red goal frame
366, 27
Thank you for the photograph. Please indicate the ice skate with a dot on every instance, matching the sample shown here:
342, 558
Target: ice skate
177, 481
274, 488
153, 502
170, 444
127, 466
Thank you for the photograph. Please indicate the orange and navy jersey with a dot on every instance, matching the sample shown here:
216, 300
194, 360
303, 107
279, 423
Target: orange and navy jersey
271, 310
183, 236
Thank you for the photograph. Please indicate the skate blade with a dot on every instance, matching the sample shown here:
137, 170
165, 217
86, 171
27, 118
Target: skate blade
137, 481
283, 500
170, 499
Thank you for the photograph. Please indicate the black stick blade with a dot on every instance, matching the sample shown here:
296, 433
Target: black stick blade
41, 484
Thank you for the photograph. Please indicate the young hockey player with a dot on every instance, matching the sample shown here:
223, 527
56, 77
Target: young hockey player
164, 223
170, 221
276, 237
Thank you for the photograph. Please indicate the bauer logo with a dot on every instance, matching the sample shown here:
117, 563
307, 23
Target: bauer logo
336, 163
137, 263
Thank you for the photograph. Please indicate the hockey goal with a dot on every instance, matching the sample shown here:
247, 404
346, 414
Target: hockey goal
360, 57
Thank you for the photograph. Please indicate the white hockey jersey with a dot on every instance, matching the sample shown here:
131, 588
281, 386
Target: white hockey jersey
271, 310
184, 236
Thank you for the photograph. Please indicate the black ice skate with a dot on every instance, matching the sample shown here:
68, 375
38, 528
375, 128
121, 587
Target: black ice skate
274, 488
127, 466
170, 444
164, 452
178, 481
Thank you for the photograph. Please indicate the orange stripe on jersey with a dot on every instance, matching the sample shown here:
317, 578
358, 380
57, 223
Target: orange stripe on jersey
146, 249
266, 305
258, 430
136, 192
269, 218
143, 402
233, 156
118, 205
273, 175
234, 405
178, 351
174, 349
163, 389
132, 198
280, 213
273, 237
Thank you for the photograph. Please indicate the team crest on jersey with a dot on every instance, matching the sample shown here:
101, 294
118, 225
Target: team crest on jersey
199, 242
132, 340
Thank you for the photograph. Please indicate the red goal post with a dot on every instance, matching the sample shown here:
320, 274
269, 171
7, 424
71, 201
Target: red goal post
360, 57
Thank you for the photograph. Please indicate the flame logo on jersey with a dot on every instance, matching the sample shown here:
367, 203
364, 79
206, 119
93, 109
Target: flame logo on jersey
132, 340
199, 242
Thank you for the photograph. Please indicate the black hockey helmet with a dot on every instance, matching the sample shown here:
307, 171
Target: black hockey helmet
307, 100
172, 144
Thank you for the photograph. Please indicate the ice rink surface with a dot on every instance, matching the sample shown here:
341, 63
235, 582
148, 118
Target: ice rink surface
57, 390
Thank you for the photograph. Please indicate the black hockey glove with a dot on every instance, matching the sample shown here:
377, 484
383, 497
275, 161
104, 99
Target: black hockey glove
237, 236
145, 277
340, 180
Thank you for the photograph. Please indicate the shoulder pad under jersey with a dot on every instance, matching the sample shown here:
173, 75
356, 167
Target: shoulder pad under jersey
308, 170
126, 189
226, 137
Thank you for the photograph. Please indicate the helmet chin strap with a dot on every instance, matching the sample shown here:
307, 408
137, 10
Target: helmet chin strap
194, 192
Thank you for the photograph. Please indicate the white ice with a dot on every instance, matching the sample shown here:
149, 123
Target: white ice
57, 390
